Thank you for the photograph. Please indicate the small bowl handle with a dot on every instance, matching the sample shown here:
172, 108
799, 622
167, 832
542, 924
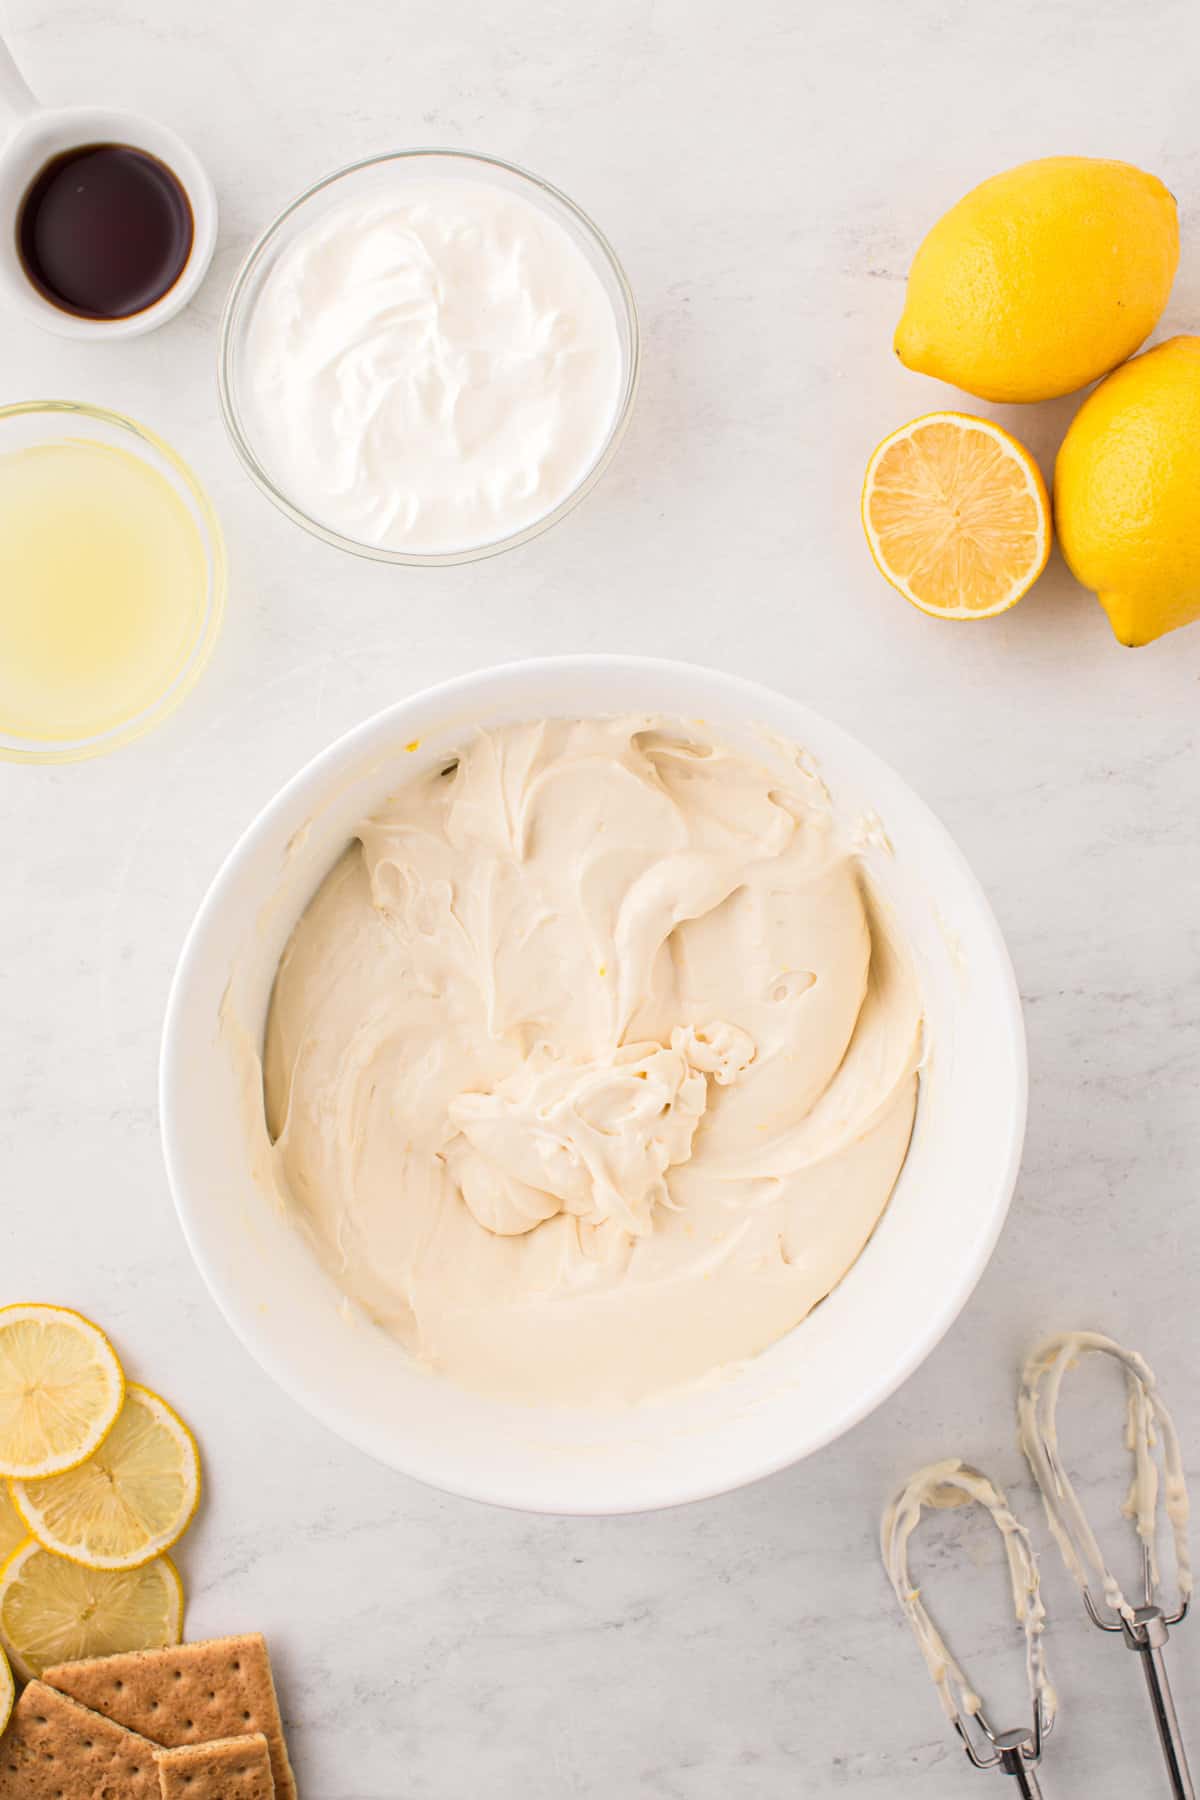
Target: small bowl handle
17, 98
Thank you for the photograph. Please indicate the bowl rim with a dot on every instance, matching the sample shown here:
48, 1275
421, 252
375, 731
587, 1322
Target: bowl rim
233, 325
216, 560
504, 1491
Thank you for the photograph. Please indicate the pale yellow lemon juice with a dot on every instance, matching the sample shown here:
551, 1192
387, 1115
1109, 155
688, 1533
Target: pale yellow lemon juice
109, 586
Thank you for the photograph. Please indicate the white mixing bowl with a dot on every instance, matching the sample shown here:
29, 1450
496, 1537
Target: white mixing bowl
857, 1346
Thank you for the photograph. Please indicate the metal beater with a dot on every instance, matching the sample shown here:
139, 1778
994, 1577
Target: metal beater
954, 1483
1148, 1425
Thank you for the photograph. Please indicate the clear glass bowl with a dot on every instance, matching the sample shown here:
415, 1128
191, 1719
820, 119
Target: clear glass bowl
365, 177
33, 423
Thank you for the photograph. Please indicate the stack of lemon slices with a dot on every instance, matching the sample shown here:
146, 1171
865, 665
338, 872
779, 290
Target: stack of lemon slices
102, 1477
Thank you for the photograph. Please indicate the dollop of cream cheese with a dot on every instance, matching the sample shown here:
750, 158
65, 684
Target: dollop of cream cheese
592, 1064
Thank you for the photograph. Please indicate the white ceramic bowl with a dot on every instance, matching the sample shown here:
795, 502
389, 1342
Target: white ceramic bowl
850, 1354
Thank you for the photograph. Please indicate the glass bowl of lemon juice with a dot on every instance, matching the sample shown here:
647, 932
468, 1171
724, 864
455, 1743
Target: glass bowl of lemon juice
112, 580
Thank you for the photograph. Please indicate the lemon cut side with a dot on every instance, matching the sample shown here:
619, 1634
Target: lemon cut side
956, 515
13, 1529
61, 1388
8, 1692
53, 1611
130, 1501
13, 1534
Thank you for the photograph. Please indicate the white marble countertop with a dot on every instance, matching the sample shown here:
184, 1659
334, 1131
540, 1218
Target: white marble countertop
765, 172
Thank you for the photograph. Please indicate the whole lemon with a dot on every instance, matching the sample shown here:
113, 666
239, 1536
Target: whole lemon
1127, 492
1041, 279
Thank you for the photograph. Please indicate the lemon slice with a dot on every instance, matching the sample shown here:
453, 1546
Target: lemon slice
13, 1529
53, 1611
8, 1692
129, 1501
61, 1388
956, 515
13, 1534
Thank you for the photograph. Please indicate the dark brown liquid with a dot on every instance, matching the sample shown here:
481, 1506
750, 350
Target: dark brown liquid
104, 231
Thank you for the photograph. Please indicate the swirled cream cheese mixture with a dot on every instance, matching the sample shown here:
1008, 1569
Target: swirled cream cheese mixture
592, 1064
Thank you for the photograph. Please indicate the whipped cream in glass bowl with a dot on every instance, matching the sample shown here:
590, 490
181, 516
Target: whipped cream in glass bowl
429, 357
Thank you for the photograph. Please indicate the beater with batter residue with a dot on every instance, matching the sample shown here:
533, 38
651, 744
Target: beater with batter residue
955, 1483
1148, 1426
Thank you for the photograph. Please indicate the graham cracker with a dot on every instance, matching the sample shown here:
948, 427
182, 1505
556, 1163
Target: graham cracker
237, 1768
187, 1695
55, 1749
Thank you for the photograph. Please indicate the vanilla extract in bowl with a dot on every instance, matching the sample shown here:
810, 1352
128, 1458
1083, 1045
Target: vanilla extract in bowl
105, 231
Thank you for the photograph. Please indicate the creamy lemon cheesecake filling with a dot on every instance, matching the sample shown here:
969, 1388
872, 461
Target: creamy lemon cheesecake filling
592, 1064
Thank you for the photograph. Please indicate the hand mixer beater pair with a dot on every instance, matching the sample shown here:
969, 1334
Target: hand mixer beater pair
1144, 1627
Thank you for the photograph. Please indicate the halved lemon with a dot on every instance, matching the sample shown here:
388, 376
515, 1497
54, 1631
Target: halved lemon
61, 1388
956, 515
130, 1501
53, 1611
